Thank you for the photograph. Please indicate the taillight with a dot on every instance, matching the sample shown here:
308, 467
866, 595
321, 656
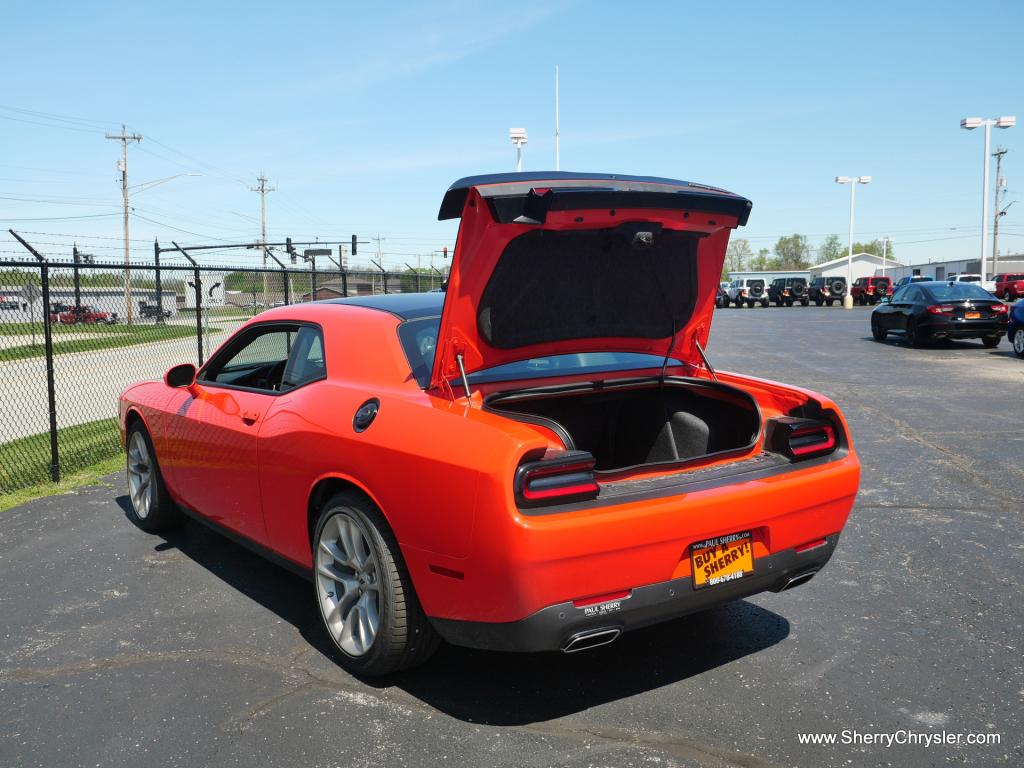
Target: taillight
1000, 309
943, 309
557, 478
802, 438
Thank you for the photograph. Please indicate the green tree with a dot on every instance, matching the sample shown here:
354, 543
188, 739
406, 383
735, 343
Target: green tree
427, 279
736, 256
875, 247
762, 261
792, 252
831, 249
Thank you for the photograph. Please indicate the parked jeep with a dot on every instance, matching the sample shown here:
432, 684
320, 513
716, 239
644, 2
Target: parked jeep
788, 290
825, 290
749, 291
870, 290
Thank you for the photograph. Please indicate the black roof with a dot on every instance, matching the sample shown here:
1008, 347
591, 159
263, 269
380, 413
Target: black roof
407, 306
642, 191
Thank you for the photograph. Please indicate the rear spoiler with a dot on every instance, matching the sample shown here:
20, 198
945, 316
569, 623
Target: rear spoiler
528, 197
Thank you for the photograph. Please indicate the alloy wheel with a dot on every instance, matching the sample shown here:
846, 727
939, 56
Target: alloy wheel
1018, 342
140, 475
348, 584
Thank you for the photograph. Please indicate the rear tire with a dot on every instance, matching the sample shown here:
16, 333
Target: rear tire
806, 302
764, 303
1007, 297
818, 302
151, 506
368, 606
877, 331
990, 342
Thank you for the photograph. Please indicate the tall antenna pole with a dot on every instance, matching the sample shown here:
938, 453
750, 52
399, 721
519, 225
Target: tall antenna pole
557, 148
263, 189
124, 137
1000, 183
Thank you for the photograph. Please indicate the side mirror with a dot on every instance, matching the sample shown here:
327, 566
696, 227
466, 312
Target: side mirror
183, 375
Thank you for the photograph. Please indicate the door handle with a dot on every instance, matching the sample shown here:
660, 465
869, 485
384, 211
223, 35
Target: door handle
250, 417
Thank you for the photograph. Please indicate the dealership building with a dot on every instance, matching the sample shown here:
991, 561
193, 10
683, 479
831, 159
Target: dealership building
863, 265
15, 307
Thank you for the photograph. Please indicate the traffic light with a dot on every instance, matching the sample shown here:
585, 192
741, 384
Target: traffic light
288, 247
446, 251
353, 245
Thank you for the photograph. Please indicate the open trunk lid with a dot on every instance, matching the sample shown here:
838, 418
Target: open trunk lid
561, 263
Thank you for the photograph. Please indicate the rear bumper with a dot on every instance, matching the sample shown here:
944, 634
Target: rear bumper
965, 329
550, 628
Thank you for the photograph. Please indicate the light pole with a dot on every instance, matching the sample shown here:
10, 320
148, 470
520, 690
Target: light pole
969, 124
853, 181
518, 136
885, 247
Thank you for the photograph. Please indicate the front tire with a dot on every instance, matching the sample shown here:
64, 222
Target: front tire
151, 506
877, 331
764, 303
368, 605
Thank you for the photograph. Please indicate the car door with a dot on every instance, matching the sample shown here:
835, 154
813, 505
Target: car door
886, 312
904, 307
214, 434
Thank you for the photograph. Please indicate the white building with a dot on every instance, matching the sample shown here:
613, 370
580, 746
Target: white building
863, 265
940, 270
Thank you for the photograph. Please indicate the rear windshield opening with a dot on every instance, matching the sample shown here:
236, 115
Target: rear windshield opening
419, 341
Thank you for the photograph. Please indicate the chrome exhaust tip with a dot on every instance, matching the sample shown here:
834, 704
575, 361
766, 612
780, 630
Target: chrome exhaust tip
591, 638
796, 581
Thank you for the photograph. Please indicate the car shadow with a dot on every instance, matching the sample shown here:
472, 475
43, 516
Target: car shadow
492, 688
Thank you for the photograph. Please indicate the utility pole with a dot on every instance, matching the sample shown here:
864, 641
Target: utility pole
1000, 183
124, 137
263, 189
557, 148
380, 261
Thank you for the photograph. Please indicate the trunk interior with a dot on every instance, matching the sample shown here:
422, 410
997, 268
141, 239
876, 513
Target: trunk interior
625, 427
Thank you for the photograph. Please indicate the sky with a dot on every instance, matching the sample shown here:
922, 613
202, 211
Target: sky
362, 114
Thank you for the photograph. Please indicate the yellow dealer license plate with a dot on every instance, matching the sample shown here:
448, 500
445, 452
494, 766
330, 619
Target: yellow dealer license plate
722, 559
972, 315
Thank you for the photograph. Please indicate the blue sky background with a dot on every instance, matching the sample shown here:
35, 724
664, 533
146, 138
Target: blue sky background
362, 114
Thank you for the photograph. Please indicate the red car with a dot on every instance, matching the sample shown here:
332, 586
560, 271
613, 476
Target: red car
1009, 286
538, 459
870, 290
85, 314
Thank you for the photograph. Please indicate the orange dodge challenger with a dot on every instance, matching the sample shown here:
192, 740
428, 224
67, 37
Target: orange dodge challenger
539, 458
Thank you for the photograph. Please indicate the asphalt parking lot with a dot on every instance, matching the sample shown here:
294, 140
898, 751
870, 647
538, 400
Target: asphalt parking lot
120, 648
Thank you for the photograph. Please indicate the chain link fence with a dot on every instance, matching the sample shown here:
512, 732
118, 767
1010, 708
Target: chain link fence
73, 336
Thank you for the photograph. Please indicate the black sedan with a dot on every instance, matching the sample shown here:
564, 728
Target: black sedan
940, 310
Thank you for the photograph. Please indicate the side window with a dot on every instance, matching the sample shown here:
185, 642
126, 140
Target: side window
914, 294
258, 363
900, 293
307, 362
